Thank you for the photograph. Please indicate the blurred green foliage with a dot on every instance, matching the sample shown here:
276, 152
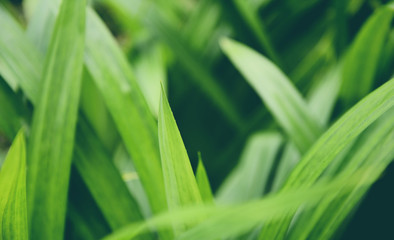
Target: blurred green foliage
253, 107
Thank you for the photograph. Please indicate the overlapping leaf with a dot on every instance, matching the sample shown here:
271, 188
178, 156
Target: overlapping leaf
249, 178
277, 92
331, 143
13, 207
362, 60
54, 121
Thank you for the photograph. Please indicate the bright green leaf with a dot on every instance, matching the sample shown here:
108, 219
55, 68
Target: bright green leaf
179, 180
203, 182
53, 128
13, 207
330, 144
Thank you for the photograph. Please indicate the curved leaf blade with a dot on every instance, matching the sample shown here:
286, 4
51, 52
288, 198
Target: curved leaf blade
330, 144
277, 92
362, 60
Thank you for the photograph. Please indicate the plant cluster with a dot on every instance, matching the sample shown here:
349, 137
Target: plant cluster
287, 127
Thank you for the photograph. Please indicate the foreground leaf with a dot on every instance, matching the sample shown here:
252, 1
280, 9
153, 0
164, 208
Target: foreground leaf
13, 208
203, 182
53, 128
330, 144
114, 78
277, 92
230, 221
179, 180
374, 148
85, 167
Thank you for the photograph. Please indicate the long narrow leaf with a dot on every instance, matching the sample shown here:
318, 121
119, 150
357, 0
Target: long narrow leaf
179, 180
330, 144
361, 62
85, 168
229, 221
277, 92
249, 179
13, 207
203, 182
131, 114
375, 148
15, 54
103, 180
53, 127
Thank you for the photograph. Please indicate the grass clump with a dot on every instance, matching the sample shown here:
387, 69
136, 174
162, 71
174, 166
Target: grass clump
289, 105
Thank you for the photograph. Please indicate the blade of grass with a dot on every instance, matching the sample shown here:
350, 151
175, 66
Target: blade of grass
321, 100
115, 80
250, 16
130, 176
203, 182
347, 205
85, 172
94, 109
13, 207
233, 220
181, 186
277, 92
249, 178
150, 71
103, 180
374, 148
54, 121
159, 24
16, 53
135, 123
361, 61
331, 143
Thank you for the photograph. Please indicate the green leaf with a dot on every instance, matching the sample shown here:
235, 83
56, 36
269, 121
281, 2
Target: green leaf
103, 180
277, 92
324, 94
233, 220
249, 178
11, 108
374, 148
135, 123
250, 16
88, 168
160, 24
150, 71
330, 144
53, 128
203, 182
179, 180
13, 207
362, 60
125, 166
16, 54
